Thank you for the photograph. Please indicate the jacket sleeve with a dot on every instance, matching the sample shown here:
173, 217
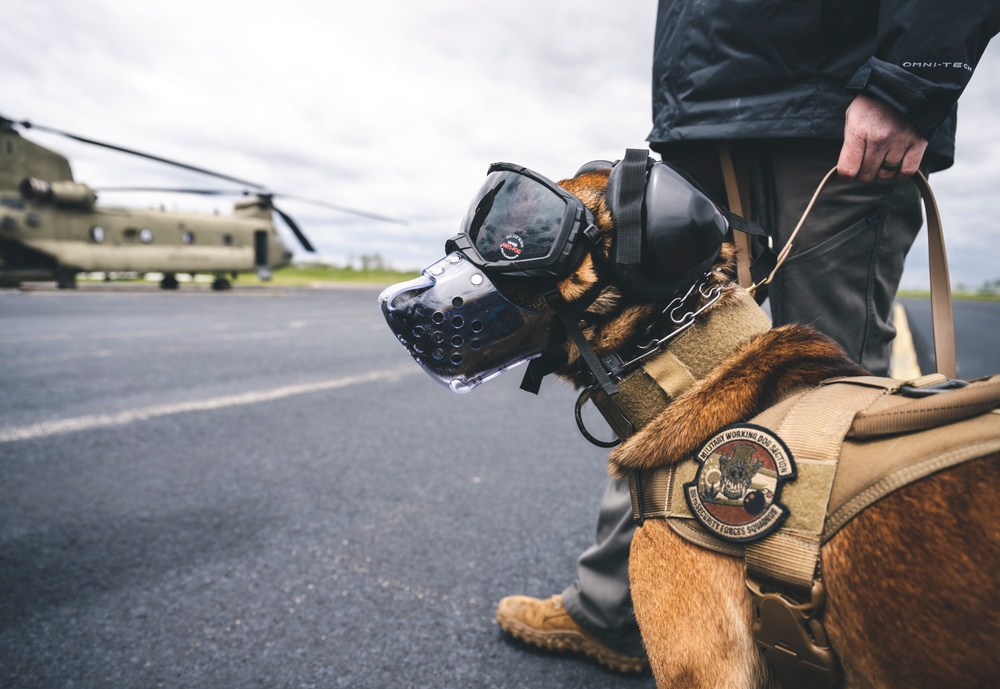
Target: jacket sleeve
925, 55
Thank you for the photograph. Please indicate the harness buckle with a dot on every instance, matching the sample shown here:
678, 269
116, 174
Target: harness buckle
792, 636
593, 234
931, 384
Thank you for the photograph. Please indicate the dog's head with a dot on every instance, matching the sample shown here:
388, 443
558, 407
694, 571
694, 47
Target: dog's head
603, 252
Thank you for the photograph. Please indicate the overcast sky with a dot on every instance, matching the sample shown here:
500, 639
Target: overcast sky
392, 106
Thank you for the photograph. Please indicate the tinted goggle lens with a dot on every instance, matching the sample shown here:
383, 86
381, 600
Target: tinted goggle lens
514, 218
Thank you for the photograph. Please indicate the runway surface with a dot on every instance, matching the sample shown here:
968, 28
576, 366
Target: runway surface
977, 336
261, 489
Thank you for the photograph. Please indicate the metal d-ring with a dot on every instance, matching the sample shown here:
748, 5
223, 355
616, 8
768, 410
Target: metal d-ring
580, 401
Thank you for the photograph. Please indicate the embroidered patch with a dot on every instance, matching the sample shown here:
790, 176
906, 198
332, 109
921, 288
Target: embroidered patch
735, 493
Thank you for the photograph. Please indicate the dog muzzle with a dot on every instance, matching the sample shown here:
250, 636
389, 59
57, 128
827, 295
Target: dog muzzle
458, 327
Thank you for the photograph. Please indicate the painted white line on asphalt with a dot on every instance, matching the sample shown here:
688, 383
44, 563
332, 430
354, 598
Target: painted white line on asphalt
904, 365
89, 422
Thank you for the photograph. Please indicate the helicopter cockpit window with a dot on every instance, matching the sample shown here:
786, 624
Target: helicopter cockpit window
97, 234
227, 239
188, 237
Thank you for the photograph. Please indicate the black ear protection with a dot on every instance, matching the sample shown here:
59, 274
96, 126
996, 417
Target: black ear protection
594, 166
668, 230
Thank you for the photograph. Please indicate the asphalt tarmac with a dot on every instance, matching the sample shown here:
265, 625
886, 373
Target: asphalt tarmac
977, 336
260, 489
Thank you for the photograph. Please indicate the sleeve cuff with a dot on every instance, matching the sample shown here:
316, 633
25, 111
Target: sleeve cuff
927, 104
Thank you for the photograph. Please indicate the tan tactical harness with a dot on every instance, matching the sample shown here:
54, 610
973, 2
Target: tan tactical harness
854, 441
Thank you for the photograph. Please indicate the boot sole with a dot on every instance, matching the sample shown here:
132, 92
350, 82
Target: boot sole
573, 642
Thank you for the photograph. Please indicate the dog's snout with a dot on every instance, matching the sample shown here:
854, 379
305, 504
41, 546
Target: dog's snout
397, 304
455, 324
443, 334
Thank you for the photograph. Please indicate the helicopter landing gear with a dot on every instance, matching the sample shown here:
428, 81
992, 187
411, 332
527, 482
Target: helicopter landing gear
65, 278
169, 281
221, 283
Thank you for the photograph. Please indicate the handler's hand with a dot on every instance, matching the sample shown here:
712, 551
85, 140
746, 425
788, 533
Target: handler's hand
879, 142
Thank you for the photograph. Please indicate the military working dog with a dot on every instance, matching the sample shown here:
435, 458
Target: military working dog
912, 592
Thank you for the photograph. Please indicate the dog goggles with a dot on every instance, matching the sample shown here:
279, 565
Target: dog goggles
458, 327
521, 223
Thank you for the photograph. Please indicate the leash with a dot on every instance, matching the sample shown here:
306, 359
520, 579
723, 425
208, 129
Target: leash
942, 316
737, 206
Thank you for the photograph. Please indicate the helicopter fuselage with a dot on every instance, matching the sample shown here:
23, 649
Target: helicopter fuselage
51, 227
40, 238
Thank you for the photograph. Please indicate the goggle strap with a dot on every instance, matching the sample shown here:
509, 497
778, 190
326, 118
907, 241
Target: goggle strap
589, 357
547, 363
764, 264
631, 191
738, 222
601, 268
568, 315
537, 369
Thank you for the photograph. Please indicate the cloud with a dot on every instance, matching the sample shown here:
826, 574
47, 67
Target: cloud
392, 106
966, 192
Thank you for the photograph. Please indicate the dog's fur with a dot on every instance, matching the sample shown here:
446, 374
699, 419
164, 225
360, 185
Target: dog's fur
913, 595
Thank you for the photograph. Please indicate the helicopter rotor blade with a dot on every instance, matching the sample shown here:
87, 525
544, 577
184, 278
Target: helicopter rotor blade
5, 122
306, 244
346, 209
227, 192
211, 173
177, 190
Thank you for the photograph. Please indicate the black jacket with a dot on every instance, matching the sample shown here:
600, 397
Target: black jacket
765, 69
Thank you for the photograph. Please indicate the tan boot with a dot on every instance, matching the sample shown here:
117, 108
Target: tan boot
546, 624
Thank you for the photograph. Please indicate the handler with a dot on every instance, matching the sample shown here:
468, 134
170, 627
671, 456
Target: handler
792, 89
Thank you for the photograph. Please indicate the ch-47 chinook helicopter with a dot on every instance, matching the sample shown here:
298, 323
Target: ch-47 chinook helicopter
52, 228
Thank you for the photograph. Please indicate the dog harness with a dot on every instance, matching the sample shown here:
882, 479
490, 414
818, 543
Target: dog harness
836, 449
854, 441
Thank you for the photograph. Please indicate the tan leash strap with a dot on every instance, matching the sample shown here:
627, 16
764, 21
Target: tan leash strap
737, 206
785, 250
941, 312
942, 318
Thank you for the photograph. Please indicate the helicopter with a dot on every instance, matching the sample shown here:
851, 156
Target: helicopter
52, 228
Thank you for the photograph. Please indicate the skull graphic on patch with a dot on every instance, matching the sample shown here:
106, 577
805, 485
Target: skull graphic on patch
736, 490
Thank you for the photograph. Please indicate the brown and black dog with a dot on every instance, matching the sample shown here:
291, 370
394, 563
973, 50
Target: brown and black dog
913, 601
